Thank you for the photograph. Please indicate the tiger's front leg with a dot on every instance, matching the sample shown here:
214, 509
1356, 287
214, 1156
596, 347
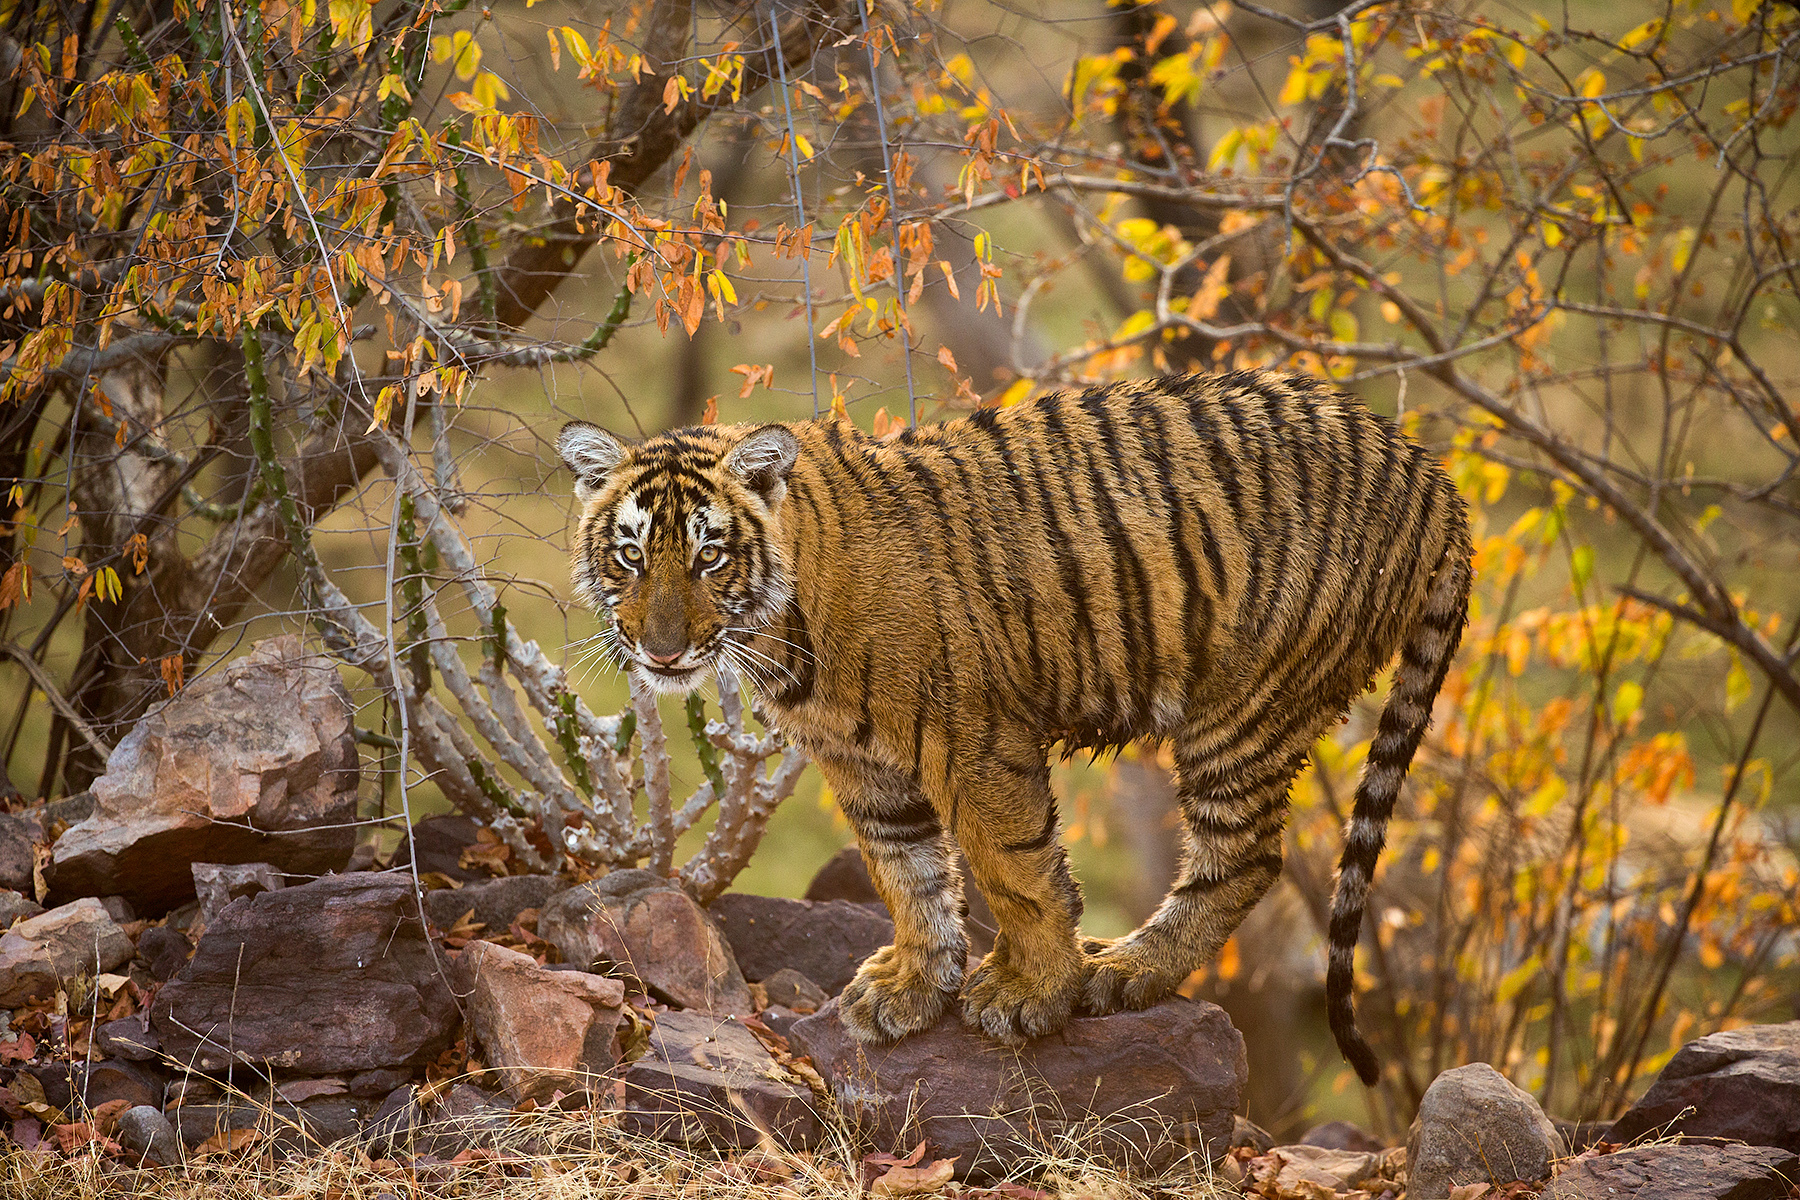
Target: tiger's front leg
903, 988
1006, 822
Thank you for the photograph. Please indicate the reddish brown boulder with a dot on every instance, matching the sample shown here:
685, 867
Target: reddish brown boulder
824, 940
543, 1030
639, 923
253, 763
710, 1082
1680, 1172
1141, 1089
333, 975
1743, 1085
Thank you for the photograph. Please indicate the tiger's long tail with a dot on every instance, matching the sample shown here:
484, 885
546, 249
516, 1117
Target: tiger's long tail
1424, 660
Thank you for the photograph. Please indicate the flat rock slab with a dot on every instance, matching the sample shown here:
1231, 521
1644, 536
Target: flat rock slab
254, 763
824, 940
1742, 1085
333, 975
39, 952
544, 1031
638, 922
1475, 1126
1680, 1172
1142, 1089
494, 903
707, 1081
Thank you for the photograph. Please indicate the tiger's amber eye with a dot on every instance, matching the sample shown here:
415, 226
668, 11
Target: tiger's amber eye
632, 556
709, 555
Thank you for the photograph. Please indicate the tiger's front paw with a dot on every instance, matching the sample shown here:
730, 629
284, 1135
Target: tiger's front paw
895, 994
1013, 1005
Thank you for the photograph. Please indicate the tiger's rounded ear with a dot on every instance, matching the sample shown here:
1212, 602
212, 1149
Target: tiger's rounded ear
764, 458
590, 453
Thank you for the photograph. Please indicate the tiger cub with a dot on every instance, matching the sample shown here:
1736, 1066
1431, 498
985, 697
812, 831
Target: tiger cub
1221, 563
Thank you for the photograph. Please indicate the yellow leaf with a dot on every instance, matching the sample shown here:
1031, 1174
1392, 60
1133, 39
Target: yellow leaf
1514, 981
1015, 392
1627, 701
460, 50
1294, 90
490, 89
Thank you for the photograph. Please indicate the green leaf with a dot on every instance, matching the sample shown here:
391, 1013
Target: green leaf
1626, 701
1581, 565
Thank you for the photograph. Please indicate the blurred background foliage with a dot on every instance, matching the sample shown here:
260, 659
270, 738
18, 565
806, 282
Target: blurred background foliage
277, 273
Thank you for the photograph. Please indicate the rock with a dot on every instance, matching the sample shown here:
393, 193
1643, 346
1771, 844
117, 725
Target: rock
542, 1030
637, 922
127, 1038
1474, 1126
825, 940
383, 1081
1245, 1132
846, 877
218, 884
165, 951
78, 1088
1144, 1088
1342, 1135
1743, 1085
19, 835
16, 907
711, 1082
1680, 1172
212, 774
497, 903
313, 1121
333, 975
119, 909
792, 990
463, 1118
1334, 1170
148, 1136
75, 939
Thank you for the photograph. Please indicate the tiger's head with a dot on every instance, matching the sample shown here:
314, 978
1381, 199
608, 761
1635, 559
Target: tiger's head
678, 542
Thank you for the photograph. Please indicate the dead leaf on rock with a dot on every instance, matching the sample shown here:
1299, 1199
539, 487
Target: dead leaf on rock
914, 1181
106, 1116
1470, 1191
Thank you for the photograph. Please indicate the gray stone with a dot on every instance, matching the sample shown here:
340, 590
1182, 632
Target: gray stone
1141, 1089
39, 952
825, 940
119, 909
332, 976
20, 833
382, 1081
218, 884
543, 1031
846, 877
1742, 1085
1680, 1172
290, 1127
708, 1081
16, 907
148, 1136
1474, 1126
254, 763
81, 1087
465, 1117
638, 923
496, 903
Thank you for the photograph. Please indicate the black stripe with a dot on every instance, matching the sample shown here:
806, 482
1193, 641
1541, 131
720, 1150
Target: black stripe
1042, 840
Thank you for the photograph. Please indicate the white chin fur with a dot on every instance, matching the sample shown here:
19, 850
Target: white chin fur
669, 685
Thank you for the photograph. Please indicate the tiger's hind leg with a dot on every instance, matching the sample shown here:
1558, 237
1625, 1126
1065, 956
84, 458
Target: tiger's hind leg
903, 988
1233, 789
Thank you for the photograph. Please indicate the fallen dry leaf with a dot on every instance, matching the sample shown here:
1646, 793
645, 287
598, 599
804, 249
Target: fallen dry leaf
227, 1141
1470, 1191
914, 1181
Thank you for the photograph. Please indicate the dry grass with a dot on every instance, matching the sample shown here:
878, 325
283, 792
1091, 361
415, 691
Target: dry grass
559, 1155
